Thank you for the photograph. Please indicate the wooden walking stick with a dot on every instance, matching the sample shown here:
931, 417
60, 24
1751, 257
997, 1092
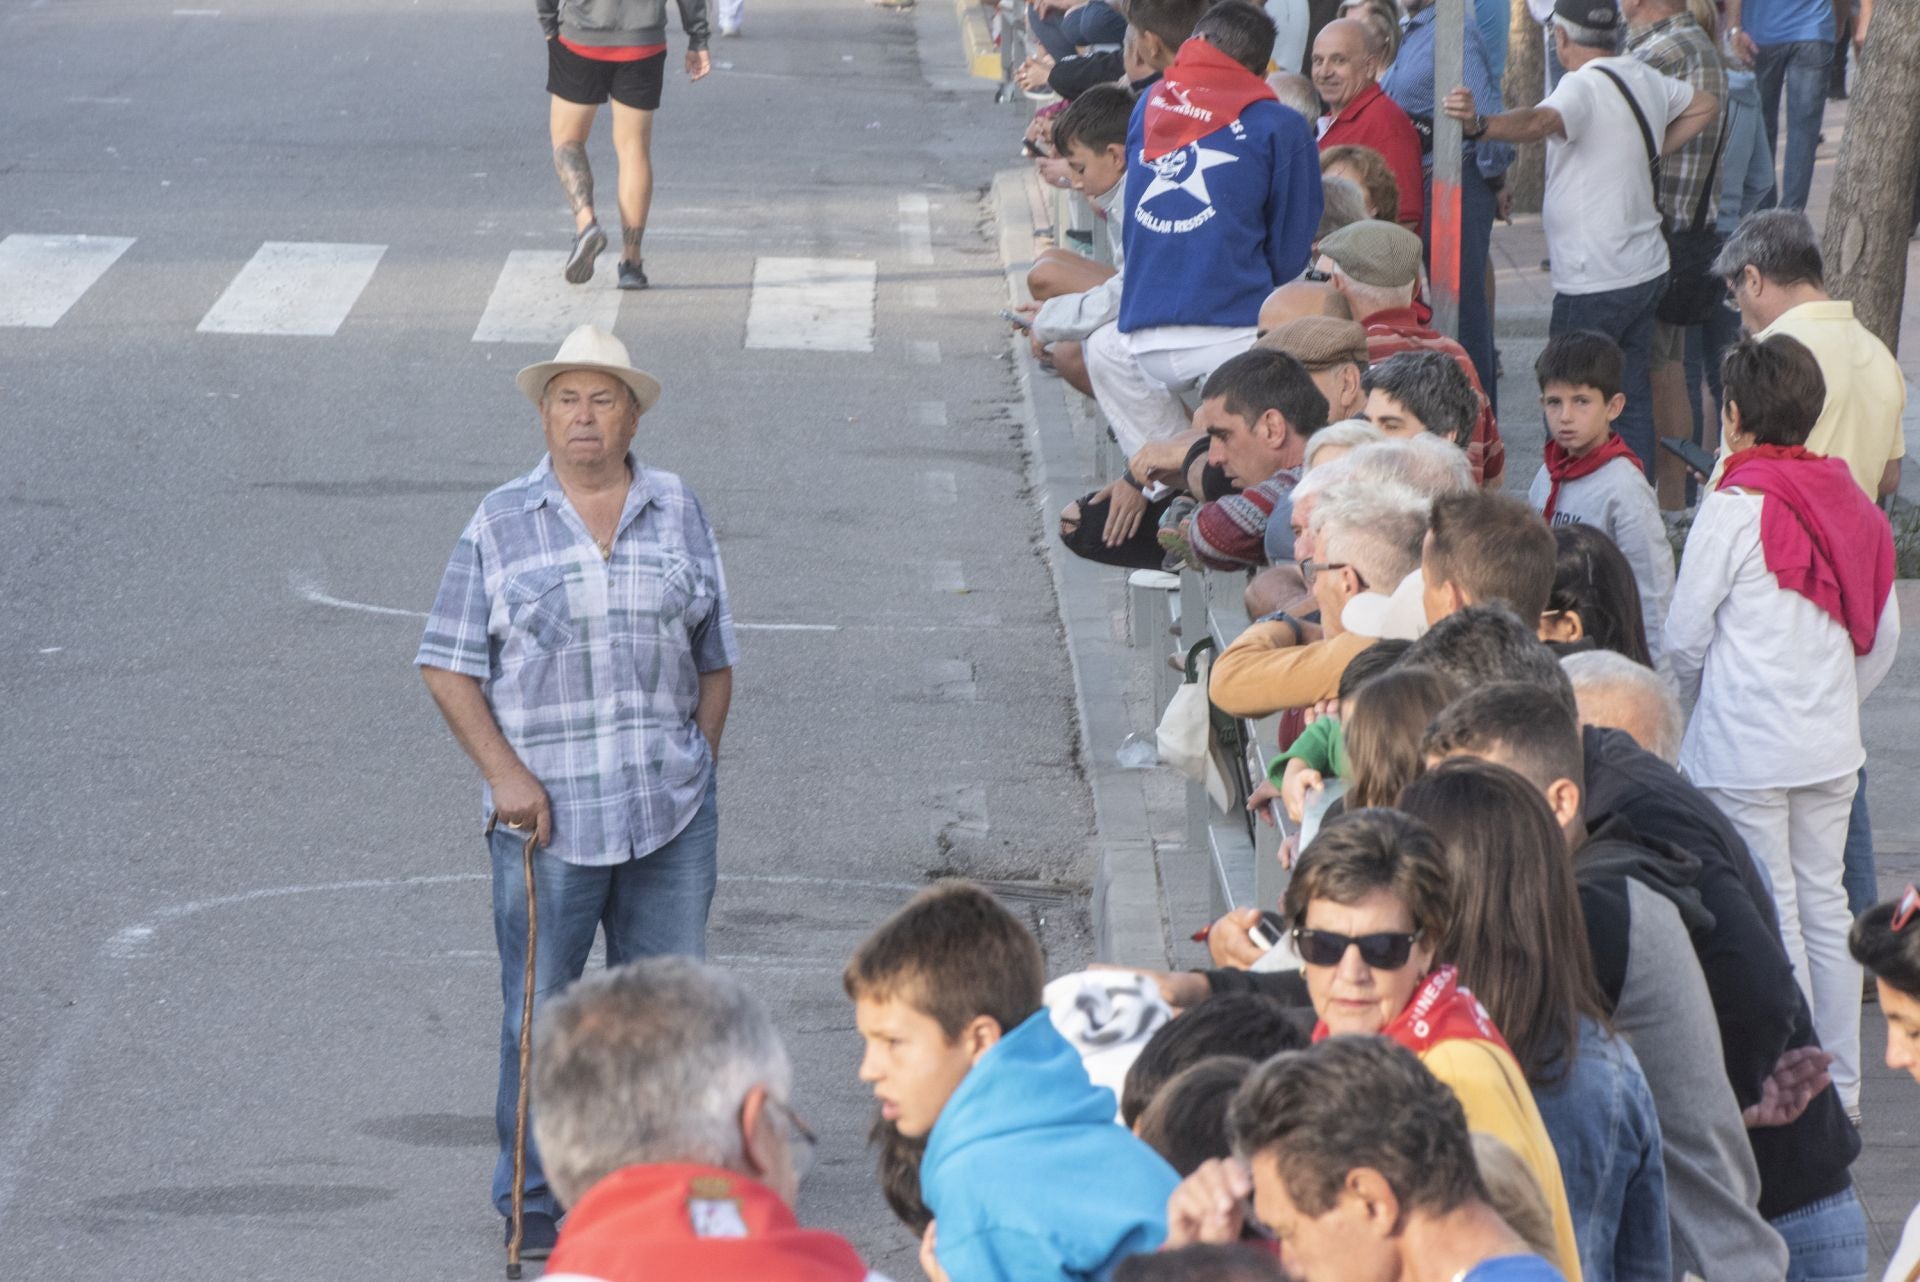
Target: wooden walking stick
526, 1061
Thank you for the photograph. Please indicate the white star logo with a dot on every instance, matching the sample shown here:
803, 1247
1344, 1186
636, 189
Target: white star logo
1195, 183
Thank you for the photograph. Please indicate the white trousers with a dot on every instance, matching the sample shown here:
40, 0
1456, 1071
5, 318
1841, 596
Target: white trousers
730, 14
1145, 395
1799, 835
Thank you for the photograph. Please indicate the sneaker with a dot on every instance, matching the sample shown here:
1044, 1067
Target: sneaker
539, 1231
586, 247
729, 32
631, 277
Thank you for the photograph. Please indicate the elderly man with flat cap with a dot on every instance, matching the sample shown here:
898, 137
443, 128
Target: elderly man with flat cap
581, 650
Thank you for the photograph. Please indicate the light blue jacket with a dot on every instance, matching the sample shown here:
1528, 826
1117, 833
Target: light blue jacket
1028, 1176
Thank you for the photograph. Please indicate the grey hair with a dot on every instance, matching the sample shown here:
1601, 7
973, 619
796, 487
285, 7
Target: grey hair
1377, 528
1779, 244
1296, 91
1603, 670
1434, 388
1367, 299
649, 1062
1589, 37
1424, 464
1342, 203
1323, 478
1348, 433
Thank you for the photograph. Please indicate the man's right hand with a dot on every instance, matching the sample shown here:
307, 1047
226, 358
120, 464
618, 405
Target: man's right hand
1229, 942
1126, 505
1208, 1206
522, 804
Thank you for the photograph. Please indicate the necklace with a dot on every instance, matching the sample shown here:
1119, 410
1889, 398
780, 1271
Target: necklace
606, 548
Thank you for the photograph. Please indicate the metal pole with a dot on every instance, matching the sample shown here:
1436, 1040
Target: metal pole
1449, 71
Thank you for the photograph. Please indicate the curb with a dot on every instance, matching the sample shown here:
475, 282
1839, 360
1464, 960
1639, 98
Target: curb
1129, 920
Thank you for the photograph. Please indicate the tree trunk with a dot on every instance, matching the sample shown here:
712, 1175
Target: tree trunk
1524, 85
1871, 216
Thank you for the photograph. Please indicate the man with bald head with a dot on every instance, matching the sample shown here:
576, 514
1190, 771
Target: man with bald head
1299, 298
1346, 71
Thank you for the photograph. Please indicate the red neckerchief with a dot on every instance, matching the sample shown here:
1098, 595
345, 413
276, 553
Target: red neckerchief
1441, 1011
1821, 535
1203, 90
1562, 466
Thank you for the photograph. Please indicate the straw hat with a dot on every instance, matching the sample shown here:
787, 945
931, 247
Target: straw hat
590, 347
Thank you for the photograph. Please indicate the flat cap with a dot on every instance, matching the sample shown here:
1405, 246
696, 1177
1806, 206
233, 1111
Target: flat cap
1374, 252
1319, 342
1595, 15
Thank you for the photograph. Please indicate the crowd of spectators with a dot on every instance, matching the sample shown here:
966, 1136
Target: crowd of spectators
1567, 977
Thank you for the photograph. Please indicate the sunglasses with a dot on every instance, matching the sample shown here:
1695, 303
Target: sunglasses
1385, 951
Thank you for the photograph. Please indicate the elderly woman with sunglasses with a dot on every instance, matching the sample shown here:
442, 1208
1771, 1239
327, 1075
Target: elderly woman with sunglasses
1886, 941
1368, 905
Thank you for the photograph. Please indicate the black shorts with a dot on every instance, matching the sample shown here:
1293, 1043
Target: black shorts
589, 82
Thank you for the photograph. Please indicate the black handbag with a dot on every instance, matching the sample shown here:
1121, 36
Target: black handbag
1693, 292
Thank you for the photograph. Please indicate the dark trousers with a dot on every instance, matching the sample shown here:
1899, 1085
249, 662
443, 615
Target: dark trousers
1625, 316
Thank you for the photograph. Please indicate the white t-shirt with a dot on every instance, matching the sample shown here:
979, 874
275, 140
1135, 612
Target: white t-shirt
1603, 228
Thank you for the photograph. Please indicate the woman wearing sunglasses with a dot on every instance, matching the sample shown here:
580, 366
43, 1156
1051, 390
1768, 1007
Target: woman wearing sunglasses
1886, 940
1368, 905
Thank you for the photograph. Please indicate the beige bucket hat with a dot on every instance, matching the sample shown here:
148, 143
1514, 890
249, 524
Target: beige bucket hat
590, 347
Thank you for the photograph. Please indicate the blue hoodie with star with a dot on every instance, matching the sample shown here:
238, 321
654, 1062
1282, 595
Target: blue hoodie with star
1212, 228
1028, 1176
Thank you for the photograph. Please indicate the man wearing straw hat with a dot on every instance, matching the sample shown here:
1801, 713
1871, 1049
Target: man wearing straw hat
581, 650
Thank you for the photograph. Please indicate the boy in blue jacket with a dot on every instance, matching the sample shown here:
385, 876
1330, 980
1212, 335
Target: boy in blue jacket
1223, 199
1026, 1172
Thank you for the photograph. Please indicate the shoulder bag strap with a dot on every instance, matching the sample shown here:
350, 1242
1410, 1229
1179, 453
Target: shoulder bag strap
1709, 195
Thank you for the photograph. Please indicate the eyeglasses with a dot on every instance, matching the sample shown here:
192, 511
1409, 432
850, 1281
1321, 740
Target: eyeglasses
1309, 570
801, 1142
1904, 911
1387, 950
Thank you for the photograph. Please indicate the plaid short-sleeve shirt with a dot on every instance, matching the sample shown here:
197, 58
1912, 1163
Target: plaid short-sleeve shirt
591, 664
1676, 47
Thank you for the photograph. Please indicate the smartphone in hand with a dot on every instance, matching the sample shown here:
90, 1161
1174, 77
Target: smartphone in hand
1698, 461
1015, 319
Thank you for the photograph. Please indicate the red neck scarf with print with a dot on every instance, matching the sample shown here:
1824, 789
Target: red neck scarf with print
1441, 1011
1203, 90
1563, 467
1821, 535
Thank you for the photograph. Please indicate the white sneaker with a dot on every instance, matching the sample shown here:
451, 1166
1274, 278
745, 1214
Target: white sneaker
729, 31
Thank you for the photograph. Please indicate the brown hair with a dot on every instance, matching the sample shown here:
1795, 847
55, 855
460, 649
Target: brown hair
953, 954
1172, 21
1778, 386
1364, 851
1516, 931
1383, 193
1187, 1121
1493, 548
1384, 727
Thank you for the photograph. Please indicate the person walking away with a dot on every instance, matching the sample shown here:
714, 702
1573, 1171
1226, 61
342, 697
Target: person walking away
600, 49
581, 650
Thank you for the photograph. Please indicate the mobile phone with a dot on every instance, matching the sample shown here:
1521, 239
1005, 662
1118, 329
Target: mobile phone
1268, 931
1697, 460
1032, 148
1012, 317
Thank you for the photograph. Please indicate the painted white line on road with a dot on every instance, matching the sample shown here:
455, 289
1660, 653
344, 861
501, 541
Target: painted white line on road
946, 576
42, 276
84, 100
953, 681
941, 487
922, 351
916, 229
196, 13
812, 304
532, 302
930, 413
308, 592
924, 297
786, 627
294, 287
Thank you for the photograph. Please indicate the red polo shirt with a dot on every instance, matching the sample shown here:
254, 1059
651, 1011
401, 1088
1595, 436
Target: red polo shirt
1375, 120
1404, 329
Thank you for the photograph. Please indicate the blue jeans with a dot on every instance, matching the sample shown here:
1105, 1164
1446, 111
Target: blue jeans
648, 907
1746, 164
1800, 68
1863, 888
1094, 23
1826, 1240
1625, 316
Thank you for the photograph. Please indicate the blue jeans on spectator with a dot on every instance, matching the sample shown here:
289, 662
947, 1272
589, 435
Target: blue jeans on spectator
1625, 316
1799, 68
1863, 887
648, 907
1826, 1240
1094, 23
1746, 163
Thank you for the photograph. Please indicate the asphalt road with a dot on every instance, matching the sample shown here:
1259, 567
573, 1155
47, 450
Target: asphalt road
250, 997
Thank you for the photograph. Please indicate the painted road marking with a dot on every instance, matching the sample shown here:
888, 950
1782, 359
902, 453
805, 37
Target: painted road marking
42, 276
532, 302
916, 229
812, 304
294, 287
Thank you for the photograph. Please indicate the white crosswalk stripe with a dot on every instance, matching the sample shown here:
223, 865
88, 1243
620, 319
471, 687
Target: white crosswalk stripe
812, 304
532, 302
294, 287
42, 276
